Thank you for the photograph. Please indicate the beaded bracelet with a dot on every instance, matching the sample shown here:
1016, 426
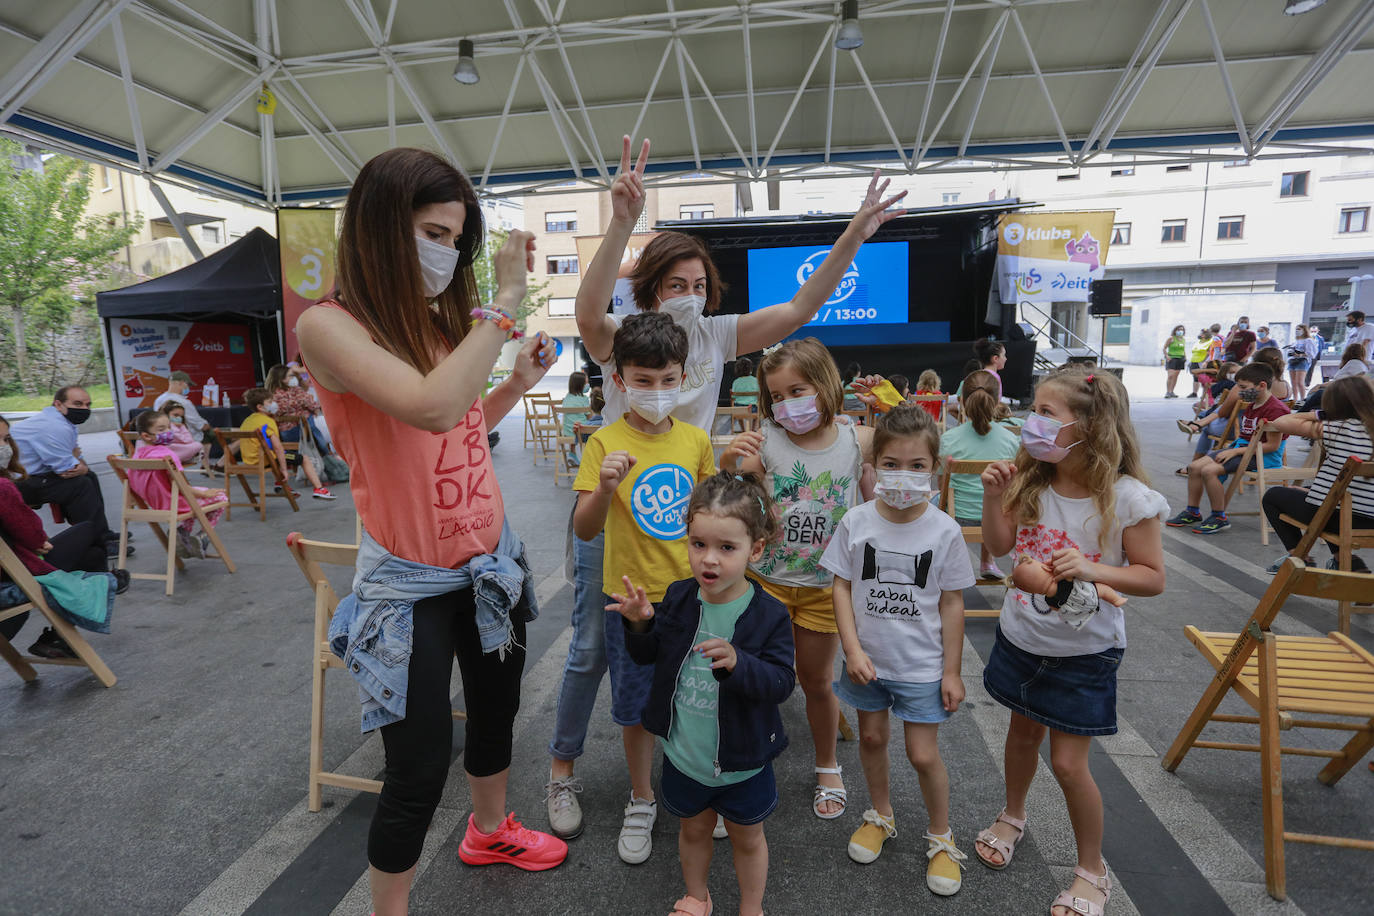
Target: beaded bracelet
502, 320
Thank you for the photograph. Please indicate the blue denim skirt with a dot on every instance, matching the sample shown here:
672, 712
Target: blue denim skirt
1075, 694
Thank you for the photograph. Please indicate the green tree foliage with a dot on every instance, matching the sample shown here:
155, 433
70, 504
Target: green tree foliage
535, 297
49, 249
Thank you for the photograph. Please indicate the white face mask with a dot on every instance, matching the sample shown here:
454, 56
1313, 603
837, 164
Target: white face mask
269, 407
653, 404
6, 453
292, 382
682, 309
797, 415
437, 264
903, 489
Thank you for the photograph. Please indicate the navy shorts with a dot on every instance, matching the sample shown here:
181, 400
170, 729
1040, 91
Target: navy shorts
629, 682
1075, 694
744, 803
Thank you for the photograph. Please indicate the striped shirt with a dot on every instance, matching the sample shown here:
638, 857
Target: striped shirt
1341, 439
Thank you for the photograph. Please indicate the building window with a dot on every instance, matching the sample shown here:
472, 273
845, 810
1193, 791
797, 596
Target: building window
1121, 233
1235, 163
1294, 184
105, 184
562, 306
1354, 219
696, 211
1124, 171
1231, 227
1067, 176
949, 197
561, 264
560, 221
1175, 230
210, 234
1186, 167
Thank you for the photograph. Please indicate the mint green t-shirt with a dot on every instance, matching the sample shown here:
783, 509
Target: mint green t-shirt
694, 738
745, 391
572, 419
962, 443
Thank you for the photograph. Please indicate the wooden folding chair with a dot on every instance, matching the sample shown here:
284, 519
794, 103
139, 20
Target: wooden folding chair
1347, 540
533, 402
23, 664
741, 419
309, 556
1228, 435
973, 534
548, 426
1261, 478
184, 507
1324, 676
129, 440
266, 463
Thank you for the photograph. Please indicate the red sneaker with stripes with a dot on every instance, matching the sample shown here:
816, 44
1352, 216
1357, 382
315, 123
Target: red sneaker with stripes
513, 844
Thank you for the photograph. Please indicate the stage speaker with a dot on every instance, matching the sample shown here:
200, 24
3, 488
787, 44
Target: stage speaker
1104, 298
1021, 330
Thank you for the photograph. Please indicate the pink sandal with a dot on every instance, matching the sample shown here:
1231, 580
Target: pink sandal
691, 906
1002, 847
1082, 905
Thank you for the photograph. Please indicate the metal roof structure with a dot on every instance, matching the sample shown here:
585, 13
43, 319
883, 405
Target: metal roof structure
731, 88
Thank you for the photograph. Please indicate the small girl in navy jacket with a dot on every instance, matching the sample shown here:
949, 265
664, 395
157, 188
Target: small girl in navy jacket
723, 663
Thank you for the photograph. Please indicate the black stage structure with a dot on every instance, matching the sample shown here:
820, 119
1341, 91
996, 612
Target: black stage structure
950, 262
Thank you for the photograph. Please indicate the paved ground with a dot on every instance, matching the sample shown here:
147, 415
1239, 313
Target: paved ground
182, 789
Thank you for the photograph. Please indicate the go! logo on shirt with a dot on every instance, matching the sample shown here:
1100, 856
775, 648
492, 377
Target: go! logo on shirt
659, 501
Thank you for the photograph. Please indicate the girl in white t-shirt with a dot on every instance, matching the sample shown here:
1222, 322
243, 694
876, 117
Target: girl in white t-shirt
813, 468
900, 568
1075, 498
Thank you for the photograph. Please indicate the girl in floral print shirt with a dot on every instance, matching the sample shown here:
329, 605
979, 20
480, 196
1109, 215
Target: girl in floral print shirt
1075, 498
813, 468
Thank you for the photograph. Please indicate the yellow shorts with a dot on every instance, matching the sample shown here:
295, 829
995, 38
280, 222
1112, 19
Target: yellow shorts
810, 608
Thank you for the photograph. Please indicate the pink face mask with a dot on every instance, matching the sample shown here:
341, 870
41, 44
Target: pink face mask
164, 438
797, 415
1040, 438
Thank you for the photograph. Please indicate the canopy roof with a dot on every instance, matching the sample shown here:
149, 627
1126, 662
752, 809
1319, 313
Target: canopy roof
243, 278
168, 87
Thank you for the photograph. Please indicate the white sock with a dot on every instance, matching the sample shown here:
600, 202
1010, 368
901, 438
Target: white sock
947, 835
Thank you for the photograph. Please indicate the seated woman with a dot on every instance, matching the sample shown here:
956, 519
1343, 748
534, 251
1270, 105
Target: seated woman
293, 399
744, 390
78, 548
979, 438
576, 397
155, 489
184, 445
1352, 364
1345, 427
1273, 358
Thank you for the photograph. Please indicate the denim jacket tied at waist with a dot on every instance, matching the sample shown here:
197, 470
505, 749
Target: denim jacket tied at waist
373, 626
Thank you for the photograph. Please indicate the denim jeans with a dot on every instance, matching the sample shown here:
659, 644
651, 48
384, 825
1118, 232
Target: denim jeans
1215, 428
586, 664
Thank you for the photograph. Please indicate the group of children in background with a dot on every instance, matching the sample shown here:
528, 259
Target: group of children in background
726, 588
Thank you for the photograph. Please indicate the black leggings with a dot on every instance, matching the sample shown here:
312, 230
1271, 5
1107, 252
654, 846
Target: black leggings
418, 748
78, 548
1292, 501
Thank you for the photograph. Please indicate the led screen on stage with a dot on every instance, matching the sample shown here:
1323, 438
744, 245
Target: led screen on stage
873, 290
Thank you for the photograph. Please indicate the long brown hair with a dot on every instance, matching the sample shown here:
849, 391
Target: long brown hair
1109, 450
813, 362
979, 400
276, 378
660, 255
14, 470
1350, 398
379, 267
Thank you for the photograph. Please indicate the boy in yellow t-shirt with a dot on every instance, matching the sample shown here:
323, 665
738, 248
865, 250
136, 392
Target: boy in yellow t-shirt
260, 421
635, 480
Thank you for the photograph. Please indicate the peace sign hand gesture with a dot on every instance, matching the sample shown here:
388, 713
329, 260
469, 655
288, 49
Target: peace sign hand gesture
627, 191
874, 211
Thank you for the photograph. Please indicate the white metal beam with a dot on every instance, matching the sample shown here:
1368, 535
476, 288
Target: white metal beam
51, 54
724, 122
897, 144
1231, 98
1044, 87
593, 147
649, 93
1142, 75
801, 88
687, 102
213, 118
749, 90
1126, 73
174, 218
342, 162
554, 108
930, 84
130, 98
929, 141
501, 124
404, 82
988, 64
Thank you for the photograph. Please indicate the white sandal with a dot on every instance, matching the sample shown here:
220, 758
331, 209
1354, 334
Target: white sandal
829, 794
1082, 905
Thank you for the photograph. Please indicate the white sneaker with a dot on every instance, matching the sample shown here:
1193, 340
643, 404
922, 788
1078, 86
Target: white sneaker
565, 813
720, 833
636, 831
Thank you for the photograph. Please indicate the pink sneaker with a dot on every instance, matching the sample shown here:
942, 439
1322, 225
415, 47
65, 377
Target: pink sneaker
513, 844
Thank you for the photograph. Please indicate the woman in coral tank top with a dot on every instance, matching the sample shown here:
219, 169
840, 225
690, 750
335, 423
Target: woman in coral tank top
400, 356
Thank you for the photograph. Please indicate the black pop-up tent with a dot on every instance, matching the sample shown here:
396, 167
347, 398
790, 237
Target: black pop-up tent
232, 300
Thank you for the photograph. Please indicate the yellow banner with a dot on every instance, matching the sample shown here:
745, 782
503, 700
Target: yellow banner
1051, 257
307, 242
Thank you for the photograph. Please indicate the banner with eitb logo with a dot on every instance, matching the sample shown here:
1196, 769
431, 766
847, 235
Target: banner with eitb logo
1051, 257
